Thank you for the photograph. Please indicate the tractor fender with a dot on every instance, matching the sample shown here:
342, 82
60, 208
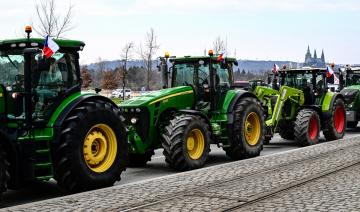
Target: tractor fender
58, 123
328, 112
239, 95
197, 113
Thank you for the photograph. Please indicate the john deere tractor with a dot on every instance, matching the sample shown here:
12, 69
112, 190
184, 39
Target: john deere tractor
198, 108
48, 128
303, 106
350, 85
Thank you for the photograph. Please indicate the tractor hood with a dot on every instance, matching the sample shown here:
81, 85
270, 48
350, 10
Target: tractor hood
350, 93
157, 96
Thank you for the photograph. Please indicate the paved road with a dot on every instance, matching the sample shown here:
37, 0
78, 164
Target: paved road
156, 168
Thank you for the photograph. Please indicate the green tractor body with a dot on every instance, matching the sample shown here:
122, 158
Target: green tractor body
350, 84
48, 127
198, 108
302, 107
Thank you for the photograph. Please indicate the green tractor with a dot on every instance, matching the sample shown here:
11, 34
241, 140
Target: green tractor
302, 107
48, 128
350, 85
197, 109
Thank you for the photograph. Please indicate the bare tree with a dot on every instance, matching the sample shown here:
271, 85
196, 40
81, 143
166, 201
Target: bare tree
147, 52
126, 55
108, 80
99, 70
86, 77
219, 45
49, 21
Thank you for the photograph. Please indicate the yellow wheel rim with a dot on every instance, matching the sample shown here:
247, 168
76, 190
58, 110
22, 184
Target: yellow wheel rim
100, 148
252, 129
195, 144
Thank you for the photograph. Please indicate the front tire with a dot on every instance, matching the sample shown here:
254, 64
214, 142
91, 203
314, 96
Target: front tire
186, 142
248, 130
335, 125
307, 127
92, 151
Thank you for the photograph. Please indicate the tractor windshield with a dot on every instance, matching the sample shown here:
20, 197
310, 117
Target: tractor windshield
353, 79
297, 80
50, 79
11, 66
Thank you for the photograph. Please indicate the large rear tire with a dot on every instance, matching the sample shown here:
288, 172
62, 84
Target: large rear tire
307, 127
335, 125
186, 142
4, 172
248, 130
140, 160
92, 151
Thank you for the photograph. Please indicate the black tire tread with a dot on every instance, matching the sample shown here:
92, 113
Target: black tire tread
4, 171
301, 127
329, 130
65, 174
238, 149
172, 142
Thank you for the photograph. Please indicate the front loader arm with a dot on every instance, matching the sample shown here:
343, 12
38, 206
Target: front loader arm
295, 96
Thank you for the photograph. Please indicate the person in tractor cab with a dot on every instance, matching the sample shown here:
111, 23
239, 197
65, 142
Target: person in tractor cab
49, 84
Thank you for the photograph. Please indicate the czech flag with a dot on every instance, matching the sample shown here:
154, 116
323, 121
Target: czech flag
50, 47
275, 68
221, 57
329, 71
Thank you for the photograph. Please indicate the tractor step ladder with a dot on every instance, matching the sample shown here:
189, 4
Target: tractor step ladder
43, 169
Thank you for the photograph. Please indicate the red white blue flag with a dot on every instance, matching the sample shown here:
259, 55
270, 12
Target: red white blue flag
50, 47
275, 68
329, 71
221, 56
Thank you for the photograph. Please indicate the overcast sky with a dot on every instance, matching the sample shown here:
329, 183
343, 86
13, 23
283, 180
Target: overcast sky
254, 29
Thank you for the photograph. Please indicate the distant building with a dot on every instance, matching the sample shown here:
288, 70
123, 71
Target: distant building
314, 61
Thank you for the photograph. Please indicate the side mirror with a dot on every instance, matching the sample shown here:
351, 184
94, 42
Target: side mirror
236, 63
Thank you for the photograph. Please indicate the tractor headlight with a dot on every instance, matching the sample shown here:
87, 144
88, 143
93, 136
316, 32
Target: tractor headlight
133, 120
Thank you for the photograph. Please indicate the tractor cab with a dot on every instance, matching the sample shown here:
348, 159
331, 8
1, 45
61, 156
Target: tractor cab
313, 82
350, 76
209, 77
33, 85
350, 87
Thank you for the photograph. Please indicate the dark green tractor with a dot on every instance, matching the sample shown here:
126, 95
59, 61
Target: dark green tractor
303, 106
196, 108
48, 128
350, 87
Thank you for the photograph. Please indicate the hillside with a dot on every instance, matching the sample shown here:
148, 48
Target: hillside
254, 66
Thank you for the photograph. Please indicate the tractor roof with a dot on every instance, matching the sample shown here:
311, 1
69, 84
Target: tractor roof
303, 70
197, 58
39, 42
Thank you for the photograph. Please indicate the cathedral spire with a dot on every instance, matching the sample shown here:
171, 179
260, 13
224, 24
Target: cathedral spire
315, 55
308, 51
322, 56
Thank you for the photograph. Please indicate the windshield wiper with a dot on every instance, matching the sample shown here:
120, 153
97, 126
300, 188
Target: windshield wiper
12, 62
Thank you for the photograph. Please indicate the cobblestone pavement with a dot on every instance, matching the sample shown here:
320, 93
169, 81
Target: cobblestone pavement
247, 184
339, 191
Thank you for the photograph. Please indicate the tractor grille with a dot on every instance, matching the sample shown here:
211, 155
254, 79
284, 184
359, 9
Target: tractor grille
143, 120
